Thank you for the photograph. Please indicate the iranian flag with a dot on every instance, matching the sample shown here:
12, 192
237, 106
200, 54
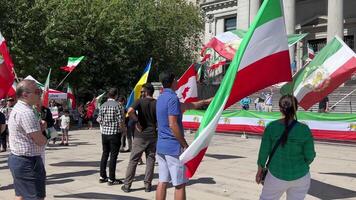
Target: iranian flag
45, 94
311, 53
261, 60
228, 42
71, 97
72, 63
331, 67
187, 86
7, 75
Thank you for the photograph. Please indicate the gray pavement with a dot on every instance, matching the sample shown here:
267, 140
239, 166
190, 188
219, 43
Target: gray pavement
227, 171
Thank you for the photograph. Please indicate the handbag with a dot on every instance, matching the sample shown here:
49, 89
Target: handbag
265, 169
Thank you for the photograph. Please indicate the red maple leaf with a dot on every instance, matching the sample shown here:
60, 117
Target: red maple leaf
184, 93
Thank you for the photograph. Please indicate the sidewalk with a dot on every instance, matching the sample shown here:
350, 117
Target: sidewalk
227, 171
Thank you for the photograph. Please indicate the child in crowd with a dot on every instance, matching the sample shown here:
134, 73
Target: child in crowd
65, 121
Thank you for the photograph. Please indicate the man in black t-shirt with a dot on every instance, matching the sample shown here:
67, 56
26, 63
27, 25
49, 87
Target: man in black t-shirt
2, 132
145, 137
324, 105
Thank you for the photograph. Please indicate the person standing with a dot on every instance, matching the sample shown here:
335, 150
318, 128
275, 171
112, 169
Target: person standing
245, 103
27, 143
121, 100
81, 115
324, 105
288, 165
146, 137
171, 142
2, 132
65, 122
268, 101
112, 123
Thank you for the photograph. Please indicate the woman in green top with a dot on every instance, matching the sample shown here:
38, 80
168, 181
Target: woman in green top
288, 170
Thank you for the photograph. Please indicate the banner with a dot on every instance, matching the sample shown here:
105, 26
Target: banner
331, 126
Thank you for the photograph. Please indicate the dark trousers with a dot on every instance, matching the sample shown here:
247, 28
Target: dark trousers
3, 140
111, 146
140, 145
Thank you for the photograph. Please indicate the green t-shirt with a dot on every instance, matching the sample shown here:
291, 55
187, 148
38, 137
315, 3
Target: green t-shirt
292, 160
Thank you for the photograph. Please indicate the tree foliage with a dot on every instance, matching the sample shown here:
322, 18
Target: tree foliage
117, 37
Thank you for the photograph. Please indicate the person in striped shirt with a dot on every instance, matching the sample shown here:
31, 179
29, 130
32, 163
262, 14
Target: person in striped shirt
288, 170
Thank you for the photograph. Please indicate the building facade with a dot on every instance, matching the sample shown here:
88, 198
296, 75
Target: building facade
321, 19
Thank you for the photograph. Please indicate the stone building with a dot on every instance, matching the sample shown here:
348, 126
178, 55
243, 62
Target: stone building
322, 19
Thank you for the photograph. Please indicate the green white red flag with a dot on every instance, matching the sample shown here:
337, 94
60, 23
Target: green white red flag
331, 67
45, 94
70, 97
72, 63
261, 60
7, 75
226, 44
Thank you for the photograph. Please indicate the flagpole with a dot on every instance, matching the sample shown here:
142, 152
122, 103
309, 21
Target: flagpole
63, 79
343, 98
17, 79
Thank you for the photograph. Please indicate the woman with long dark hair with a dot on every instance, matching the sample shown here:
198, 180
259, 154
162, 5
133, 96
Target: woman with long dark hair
288, 168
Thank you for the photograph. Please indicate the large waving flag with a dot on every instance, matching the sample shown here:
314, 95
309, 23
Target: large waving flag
7, 75
331, 67
45, 99
187, 86
71, 98
72, 63
135, 93
262, 60
228, 42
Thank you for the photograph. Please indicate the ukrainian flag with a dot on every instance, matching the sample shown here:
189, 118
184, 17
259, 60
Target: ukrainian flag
135, 93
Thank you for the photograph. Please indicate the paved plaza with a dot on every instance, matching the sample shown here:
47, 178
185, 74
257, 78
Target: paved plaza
227, 172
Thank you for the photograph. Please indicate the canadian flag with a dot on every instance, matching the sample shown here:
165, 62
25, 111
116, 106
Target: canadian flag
187, 90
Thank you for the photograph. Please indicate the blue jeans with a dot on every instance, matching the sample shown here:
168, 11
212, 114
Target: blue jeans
29, 176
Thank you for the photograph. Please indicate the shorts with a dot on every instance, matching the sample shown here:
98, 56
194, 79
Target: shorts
64, 130
170, 168
29, 176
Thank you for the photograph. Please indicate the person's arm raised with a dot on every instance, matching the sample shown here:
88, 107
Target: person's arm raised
195, 105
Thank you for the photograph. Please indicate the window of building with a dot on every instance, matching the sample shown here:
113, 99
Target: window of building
230, 24
318, 44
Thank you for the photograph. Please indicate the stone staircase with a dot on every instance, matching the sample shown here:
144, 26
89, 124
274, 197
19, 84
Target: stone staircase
348, 105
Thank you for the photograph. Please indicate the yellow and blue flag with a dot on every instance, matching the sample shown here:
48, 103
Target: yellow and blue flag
135, 93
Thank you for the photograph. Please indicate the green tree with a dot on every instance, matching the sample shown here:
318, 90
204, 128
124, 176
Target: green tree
117, 37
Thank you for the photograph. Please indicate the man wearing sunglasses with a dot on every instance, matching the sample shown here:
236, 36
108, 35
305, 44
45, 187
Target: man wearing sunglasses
27, 143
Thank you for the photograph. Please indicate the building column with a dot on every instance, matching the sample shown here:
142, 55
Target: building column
335, 19
254, 6
289, 16
243, 14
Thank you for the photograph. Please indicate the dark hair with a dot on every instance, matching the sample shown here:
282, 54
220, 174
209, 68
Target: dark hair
166, 78
66, 111
121, 98
288, 105
149, 87
112, 93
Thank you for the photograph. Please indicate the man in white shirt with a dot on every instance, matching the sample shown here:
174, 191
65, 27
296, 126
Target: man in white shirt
27, 144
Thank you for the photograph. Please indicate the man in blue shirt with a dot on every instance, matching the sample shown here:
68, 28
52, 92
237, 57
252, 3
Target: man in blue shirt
171, 142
